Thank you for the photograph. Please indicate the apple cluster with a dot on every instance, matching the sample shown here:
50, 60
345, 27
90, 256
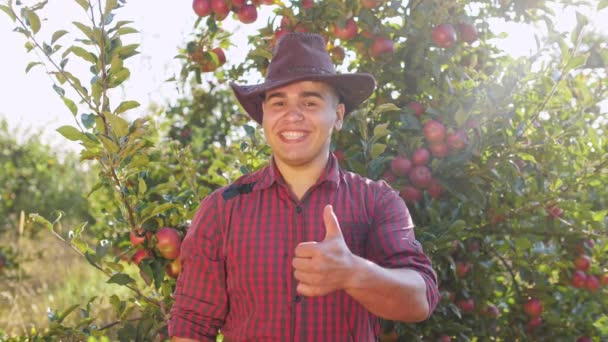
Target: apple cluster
445, 35
441, 142
165, 243
245, 11
581, 277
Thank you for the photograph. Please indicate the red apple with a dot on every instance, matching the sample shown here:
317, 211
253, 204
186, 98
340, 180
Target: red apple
579, 279
417, 107
389, 176
138, 237
444, 36
457, 140
202, 8
445, 338
382, 46
604, 279
247, 14
434, 131
411, 194
533, 323
582, 262
369, 4
306, 4
435, 189
439, 150
592, 283
173, 268
462, 268
264, 2
420, 177
349, 31
554, 211
210, 64
278, 34
236, 4
421, 157
492, 311
533, 307
337, 54
168, 242
300, 28
584, 339
220, 9
141, 255
468, 32
466, 305
401, 166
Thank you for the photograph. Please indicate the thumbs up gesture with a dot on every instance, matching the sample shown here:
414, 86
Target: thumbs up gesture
325, 266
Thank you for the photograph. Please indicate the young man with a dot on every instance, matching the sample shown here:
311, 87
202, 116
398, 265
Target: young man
301, 250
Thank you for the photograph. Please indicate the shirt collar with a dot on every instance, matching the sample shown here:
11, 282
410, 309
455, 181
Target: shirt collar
271, 174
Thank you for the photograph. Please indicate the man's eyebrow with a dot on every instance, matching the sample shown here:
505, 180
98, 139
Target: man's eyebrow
312, 94
277, 94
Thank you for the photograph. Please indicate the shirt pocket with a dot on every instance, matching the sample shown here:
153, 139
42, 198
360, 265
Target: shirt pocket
355, 235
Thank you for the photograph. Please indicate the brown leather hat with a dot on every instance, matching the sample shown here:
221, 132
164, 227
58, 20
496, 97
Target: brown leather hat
303, 57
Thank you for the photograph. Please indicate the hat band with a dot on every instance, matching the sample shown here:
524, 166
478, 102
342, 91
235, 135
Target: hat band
302, 70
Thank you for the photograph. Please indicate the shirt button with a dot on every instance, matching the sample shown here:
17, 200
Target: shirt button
297, 299
298, 209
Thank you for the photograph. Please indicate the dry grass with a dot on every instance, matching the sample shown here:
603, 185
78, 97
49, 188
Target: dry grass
51, 275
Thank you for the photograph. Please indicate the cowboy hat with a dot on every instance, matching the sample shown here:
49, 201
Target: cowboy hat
303, 57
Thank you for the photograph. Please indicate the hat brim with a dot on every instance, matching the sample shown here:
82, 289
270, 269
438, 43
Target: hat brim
353, 90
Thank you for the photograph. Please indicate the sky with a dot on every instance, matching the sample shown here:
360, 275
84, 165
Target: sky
28, 101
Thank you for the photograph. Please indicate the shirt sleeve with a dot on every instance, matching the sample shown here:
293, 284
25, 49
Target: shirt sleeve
392, 243
201, 302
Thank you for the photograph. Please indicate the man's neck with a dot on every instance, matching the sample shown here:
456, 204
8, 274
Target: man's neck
301, 178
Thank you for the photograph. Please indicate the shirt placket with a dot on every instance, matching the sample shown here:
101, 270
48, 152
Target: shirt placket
296, 210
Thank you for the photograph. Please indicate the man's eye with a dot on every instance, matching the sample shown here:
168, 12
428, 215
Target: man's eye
278, 104
310, 104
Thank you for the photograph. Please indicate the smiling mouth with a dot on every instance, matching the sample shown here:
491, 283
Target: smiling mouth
292, 136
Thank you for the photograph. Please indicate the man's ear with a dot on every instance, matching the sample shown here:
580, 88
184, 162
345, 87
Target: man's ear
340, 111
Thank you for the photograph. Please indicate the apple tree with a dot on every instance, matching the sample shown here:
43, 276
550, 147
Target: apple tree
501, 161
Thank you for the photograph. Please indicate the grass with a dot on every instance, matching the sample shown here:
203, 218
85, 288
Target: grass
50, 275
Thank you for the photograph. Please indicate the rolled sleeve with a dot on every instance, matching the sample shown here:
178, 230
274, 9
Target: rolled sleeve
200, 305
392, 243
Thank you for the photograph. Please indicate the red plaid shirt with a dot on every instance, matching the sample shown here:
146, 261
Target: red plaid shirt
236, 258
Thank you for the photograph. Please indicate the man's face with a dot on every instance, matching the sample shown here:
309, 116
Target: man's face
298, 121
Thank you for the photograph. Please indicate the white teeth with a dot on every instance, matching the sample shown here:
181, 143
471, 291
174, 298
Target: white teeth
292, 135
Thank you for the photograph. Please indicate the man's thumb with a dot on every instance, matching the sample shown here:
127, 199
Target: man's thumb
332, 226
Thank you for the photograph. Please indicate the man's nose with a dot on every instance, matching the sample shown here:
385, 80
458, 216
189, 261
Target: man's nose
294, 112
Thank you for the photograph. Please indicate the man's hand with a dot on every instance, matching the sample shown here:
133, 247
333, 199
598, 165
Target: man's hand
323, 267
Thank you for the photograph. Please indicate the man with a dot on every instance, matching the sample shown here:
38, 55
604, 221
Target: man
301, 250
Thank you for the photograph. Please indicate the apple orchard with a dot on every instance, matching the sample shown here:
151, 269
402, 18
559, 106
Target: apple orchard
502, 161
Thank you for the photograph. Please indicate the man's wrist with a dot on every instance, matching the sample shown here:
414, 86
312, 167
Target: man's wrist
358, 273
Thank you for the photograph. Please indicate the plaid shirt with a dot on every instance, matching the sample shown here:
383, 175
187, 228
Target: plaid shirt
236, 258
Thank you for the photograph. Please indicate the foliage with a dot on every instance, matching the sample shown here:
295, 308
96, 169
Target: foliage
515, 193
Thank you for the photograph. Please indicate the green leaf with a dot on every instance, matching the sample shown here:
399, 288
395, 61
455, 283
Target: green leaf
84, 54
71, 105
84, 4
381, 130
126, 105
108, 143
59, 90
457, 226
66, 313
157, 210
387, 107
119, 125
33, 20
141, 187
116, 79
31, 65
576, 62
120, 279
377, 150
110, 5
71, 133
88, 32
126, 30
42, 221
602, 4
57, 35
8, 11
